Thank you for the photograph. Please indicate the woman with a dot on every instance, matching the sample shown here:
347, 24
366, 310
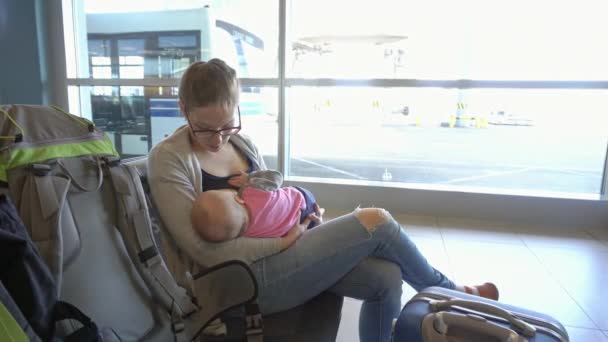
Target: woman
364, 255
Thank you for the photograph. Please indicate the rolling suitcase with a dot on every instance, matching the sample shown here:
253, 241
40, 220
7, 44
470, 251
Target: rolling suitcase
437, 314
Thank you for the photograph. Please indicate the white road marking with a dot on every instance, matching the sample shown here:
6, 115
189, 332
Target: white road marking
487, 175
331, 168
463, 163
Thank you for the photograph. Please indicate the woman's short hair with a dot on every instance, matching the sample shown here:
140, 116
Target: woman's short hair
209, 83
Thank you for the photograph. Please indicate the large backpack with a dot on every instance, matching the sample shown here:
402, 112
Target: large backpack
27, 289
13, 325
86, 212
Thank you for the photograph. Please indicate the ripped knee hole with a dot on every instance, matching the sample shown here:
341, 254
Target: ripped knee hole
371, 218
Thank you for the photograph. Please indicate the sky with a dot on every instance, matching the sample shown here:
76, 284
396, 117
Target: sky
516, 39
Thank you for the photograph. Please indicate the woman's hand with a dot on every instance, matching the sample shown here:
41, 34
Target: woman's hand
294, 233
239, 180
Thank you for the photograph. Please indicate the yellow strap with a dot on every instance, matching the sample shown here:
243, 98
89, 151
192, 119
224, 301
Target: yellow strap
14, 123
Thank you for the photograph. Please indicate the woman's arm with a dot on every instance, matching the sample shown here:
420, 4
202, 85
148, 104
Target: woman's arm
171, 182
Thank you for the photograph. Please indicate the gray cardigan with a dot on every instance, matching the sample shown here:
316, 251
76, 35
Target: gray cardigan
175, 178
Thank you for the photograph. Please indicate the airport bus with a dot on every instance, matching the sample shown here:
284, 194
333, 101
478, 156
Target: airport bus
138, 117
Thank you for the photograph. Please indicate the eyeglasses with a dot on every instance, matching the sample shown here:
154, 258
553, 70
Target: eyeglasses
209, 133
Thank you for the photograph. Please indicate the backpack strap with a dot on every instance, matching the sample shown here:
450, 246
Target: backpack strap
255, 326
228, 285
231, 284
75, 181
17, 137
30, 292
41, 201
135, 227
40, 191
87, 333
10, 330
12, 322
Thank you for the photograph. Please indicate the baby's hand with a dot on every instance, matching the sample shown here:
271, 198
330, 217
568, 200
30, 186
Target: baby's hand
317, 216
239, 180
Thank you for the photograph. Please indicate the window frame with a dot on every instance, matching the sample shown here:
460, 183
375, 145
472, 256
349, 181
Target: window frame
282, 82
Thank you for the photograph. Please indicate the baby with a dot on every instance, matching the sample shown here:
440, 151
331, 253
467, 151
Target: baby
260, 208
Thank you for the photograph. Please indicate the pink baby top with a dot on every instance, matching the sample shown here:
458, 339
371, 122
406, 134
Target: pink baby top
272, 213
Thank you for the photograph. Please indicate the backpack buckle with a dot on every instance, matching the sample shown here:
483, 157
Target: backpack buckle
40, 169
111, 161
178, 327
253, 320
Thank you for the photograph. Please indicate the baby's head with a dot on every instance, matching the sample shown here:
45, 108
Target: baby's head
217, 215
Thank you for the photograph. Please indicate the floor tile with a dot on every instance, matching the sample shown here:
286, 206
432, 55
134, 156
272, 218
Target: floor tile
599, 234
569, 265
477, 230
514, 268
349, 322
435, 253
574, 238
419, 225
596, 310
456, 222
478, 261
333, 213
583, 275
408, 293
572, 266
586, 335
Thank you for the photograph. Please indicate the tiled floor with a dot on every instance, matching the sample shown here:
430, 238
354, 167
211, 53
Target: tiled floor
561, 271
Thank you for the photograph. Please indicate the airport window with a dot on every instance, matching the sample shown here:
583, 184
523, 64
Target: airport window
476, 95
467, 95
136, 52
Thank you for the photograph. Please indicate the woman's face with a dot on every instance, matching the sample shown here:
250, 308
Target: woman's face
211, 126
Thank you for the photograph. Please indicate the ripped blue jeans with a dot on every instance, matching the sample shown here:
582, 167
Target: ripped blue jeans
343, 257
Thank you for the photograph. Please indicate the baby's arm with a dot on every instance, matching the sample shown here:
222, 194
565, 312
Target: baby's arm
267, 180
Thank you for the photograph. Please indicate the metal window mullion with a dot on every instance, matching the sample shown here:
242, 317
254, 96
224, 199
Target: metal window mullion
604, 183
163, 82
283, 82
457, 84
56, 56
259, 82
283, 146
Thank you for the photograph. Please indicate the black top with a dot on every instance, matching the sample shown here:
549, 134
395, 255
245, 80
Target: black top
213, 182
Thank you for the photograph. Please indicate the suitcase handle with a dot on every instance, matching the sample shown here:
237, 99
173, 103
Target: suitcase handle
443, 321
525, 328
